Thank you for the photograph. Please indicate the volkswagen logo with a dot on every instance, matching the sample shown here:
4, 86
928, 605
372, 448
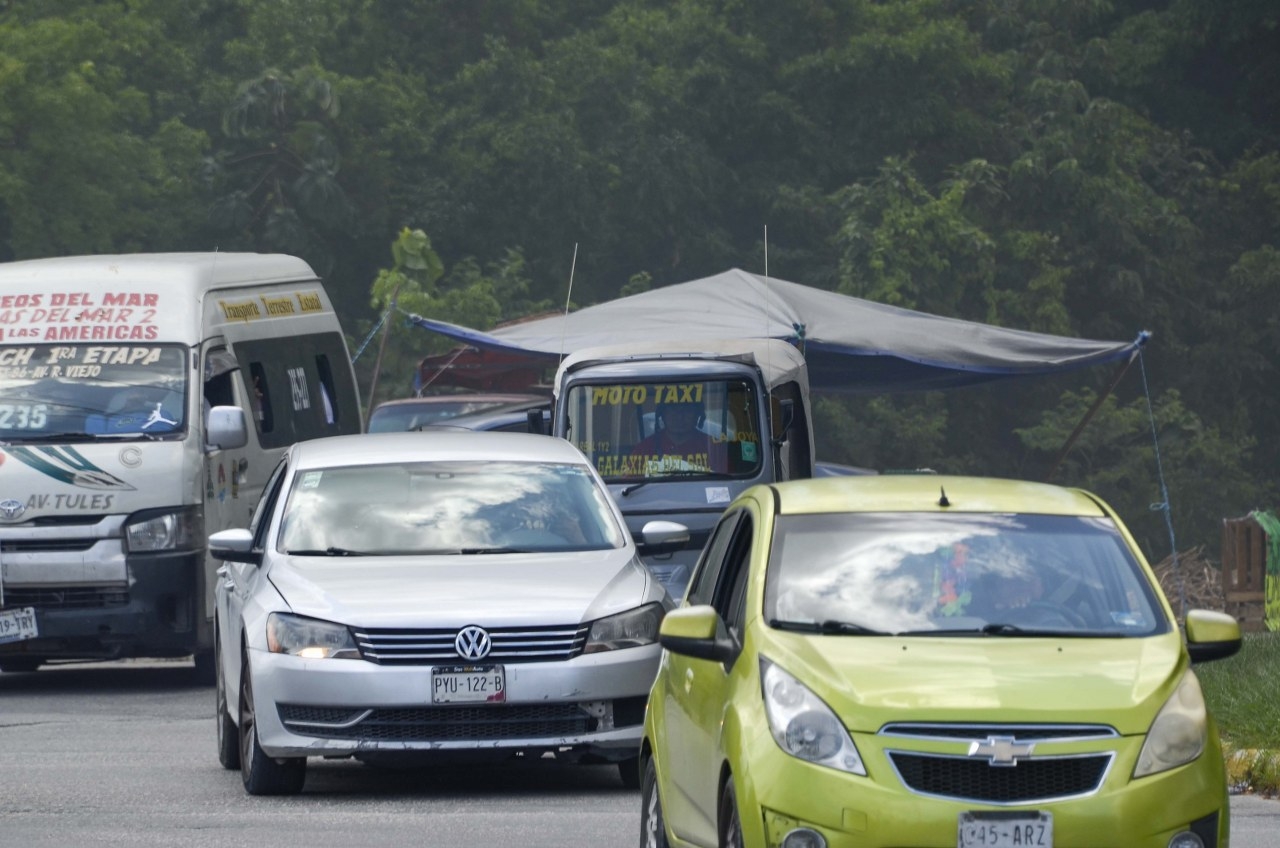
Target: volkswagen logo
11, 510
472, 643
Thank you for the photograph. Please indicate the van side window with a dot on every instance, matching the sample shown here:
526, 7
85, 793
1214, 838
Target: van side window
325, 374
260, 398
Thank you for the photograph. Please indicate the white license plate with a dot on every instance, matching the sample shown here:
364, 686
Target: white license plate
17, 625
1006, 830
468, 684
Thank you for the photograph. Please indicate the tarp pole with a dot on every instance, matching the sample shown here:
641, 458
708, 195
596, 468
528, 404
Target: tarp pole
1088, 416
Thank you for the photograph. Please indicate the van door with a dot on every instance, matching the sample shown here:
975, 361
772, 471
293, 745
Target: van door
229, 490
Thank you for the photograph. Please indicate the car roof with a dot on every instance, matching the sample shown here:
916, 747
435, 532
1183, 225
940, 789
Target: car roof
924, 493
493, 417
464, 445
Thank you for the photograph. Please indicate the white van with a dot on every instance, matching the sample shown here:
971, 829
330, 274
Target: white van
144, 400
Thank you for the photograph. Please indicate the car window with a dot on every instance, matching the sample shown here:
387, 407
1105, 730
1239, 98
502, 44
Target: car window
709, 564
448, 508
731, 590
266, 504
921, 572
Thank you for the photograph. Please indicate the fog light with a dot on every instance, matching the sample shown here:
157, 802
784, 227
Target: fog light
803, 837
1186, 839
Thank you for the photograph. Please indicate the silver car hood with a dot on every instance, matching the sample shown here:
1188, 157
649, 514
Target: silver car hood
454, 591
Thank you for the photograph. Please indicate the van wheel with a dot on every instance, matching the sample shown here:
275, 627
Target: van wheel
204, 672
730, 823
263, 775
17, 665
653, 827
629, 771
228, 733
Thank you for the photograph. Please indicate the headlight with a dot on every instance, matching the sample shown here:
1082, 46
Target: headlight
803, 725
161, 531
629, 629
1179, 733
309, 638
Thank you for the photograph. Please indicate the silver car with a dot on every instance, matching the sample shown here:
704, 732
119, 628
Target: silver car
459, 597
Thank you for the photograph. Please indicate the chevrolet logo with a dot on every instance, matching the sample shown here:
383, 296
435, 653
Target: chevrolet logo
1001, 750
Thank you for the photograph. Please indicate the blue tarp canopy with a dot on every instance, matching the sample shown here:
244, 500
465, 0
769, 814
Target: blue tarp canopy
850, 344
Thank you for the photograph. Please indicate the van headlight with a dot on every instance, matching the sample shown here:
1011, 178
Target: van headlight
629, 629
1179, 733
803, 725
309, 638
172, 530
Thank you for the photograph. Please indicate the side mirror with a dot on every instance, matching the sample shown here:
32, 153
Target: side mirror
786, 418
697, 632
1211, 635
225, 428
235, 545
662, 537
534, 417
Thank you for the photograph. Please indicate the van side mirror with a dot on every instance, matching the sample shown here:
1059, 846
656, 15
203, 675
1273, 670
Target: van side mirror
786, 418
225, 428
534, 417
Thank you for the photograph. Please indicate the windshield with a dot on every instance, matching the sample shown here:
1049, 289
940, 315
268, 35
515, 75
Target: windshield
52, 392
1000, 574
447, 508
633, 431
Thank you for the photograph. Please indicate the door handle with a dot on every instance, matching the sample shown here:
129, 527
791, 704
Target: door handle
688, 680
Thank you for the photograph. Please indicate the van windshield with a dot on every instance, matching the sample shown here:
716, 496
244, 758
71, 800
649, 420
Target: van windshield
667, 429
89, 391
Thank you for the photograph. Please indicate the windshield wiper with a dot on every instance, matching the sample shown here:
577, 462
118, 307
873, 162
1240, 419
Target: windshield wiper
495, 550
676, 473
830, 627
329, 551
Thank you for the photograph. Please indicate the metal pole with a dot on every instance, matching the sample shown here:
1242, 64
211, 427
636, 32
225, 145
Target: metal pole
1088, 416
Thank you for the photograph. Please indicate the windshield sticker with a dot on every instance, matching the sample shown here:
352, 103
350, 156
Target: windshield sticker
748, 451
21, 363
277, 306
718, 494
67, 465
675, 393
79, 316
311, 479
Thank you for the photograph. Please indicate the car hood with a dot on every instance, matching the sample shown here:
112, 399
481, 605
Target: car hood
873, 681
453, 591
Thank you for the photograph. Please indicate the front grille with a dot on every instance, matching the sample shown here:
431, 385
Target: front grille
435, 645
439, 724
1031, 780
978, 732
46, 545
77, 597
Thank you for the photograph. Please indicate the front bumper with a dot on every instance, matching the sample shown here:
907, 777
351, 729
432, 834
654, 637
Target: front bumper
588, 708
778, 792
155, 614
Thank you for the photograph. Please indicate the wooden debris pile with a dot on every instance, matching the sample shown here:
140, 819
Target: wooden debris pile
1201, 581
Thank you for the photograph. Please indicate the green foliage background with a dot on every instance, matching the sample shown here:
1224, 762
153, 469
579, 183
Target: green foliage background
1083, 167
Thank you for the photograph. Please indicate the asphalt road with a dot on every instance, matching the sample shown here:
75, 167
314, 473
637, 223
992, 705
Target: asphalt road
123, 755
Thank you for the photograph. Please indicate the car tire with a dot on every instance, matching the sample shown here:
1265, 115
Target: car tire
228, 733
203, 671
263, 775
629, 771
19, 665
730, 821
653, 826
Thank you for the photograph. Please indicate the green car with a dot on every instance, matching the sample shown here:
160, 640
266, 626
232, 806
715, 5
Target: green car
930, 661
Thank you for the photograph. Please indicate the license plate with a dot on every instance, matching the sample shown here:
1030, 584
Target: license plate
468, 684
1006, 830
17, 625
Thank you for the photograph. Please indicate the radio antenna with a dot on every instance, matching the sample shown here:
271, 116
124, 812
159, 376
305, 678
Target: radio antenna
766, 250
564, 327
